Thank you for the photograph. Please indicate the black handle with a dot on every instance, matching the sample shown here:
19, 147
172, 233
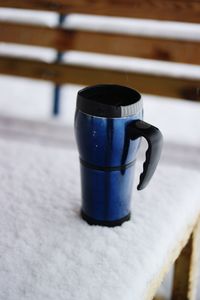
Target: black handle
154, 138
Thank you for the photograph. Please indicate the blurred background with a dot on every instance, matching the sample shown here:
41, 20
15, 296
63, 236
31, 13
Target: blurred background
33, 99
159, 57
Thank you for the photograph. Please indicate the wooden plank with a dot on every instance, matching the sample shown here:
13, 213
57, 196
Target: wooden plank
177, 10
35, 35
181, 274
107, 43
144, 47
186, 269
60, 73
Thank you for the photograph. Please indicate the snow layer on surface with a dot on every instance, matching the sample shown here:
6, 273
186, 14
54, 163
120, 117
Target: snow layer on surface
21, 51
48, 252
29, 16
129, 64
133, 26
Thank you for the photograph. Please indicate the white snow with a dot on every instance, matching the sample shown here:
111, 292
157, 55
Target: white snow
29, 16
133, 26
25, 98
129, 64
44, 54
178, 119
48, 252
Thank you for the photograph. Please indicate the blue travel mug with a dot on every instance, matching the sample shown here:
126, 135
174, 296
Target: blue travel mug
108, 130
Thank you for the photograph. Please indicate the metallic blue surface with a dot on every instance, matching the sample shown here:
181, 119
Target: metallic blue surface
106, 195
104, 142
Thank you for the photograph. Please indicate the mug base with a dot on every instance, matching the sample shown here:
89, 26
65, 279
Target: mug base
114, 223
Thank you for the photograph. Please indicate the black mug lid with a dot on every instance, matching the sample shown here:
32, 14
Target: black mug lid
109, 100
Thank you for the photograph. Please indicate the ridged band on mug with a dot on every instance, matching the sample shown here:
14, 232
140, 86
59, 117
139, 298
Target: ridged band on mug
131, 109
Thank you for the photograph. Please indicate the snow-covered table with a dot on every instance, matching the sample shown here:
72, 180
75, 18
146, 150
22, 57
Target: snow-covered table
48, 252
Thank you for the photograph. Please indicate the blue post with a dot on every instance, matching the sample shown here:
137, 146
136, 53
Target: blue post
56, 99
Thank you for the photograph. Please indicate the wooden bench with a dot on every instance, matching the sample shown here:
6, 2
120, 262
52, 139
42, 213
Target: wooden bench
156, 48
168, 49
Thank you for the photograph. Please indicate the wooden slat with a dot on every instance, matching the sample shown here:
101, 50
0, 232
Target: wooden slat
178, 10
181, 274
59, 73
35, 35
186, 269
108, 43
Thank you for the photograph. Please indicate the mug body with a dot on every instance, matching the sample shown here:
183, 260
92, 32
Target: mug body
107, 162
